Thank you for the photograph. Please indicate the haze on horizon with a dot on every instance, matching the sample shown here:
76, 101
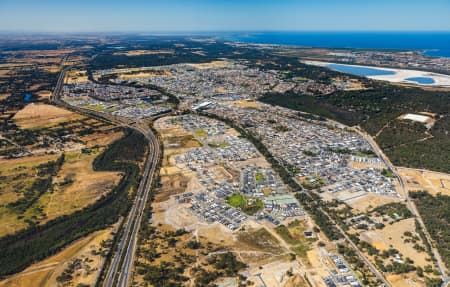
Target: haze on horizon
223, 15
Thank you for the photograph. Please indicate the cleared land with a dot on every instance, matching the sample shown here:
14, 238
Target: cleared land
369, 201
42, 115
433, 182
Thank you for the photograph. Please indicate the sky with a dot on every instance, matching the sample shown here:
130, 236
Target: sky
223, 15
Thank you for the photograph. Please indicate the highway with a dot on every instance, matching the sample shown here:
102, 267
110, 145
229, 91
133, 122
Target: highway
119, 272
122, 262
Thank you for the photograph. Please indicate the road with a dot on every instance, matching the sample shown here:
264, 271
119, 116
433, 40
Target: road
438, 260
361, 255
122, 263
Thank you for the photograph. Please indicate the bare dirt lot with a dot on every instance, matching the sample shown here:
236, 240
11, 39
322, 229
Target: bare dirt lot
405, 280
42, 115
434, 182
369, 201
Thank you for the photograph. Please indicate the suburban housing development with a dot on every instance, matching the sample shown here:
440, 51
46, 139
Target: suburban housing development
143, 160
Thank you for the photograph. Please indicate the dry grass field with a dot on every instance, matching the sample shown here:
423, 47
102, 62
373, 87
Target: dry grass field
44, 273
19, 174
43, 95
76, 76
87, 186
247, 104
73, 187
4, 96
144, 74
392, 236
4, 72
210, 65
42, 115
144, 52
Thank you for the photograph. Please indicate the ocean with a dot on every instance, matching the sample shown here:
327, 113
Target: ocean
435, 44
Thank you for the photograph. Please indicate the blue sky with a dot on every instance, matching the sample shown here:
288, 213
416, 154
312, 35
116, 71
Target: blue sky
223, 15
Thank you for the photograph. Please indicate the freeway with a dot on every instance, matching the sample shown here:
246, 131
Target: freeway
122, 262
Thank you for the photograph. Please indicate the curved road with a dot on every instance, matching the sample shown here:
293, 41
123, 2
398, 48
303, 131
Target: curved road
120, 270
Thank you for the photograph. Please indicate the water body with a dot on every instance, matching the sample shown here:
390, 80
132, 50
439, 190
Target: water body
27, 97
421, 80
147, 100
433, 43
359, 71
437, 53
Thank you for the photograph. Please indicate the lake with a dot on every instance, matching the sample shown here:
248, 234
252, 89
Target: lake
421, 80
359, 71
27, 97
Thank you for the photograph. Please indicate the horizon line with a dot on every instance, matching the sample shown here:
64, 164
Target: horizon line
187, 32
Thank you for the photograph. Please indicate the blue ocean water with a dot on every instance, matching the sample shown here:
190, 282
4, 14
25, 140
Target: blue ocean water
433, 43
437, 53
359, 71
421, 80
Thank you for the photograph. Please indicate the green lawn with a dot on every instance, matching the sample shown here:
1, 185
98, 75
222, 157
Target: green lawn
236, 200
259, 177
201, 133
241, 202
